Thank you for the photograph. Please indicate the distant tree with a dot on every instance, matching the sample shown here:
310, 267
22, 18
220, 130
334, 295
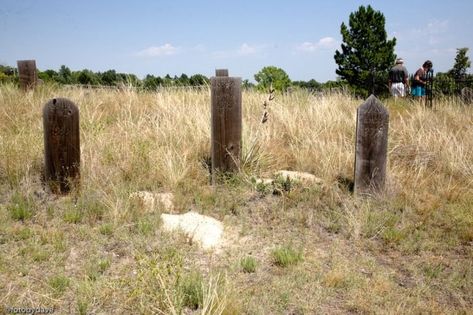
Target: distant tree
338, 84
462, 63
272, 75
7, 74
150, 82
7, 70
109, 77
366, 55
183, 80
246, 84
48, 75
87, 77
175, 80
132, 79
310, 85
198, 80
444, 84
65, 75
168, 81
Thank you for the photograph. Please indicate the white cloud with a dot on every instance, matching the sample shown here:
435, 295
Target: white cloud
437, 27
220, 54
307, 46
158, 51
433, 33
327, 42
246, 50
323, 43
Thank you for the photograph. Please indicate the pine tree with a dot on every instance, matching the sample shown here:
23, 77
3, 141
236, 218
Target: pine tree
462, 63
367, 54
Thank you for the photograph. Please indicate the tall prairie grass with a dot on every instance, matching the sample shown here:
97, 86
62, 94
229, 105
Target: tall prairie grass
160, 141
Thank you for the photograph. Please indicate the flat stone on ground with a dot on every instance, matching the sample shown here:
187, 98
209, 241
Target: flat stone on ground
204, 230
299, 176
149, 201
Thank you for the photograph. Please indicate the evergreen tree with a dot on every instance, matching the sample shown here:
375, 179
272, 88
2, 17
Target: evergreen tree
366, 55
462, 63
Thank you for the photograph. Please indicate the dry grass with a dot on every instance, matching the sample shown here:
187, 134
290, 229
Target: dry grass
94, 252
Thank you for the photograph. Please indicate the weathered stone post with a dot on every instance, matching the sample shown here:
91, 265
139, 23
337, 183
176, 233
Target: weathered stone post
61, 145
226, 122
27, 73
371, 147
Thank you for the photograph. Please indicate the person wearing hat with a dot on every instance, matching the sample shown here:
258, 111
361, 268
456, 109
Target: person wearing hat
398, 79
420, 79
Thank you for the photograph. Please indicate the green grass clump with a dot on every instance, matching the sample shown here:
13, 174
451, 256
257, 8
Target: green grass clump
106, 229
96, 268
192, 290
285, 256
59, 283
248, 264
73, 215
21, 208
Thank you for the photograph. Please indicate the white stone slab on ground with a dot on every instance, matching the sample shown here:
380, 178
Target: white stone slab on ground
299, 176
206, 231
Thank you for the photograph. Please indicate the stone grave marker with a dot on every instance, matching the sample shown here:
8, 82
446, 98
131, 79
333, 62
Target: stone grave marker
61, 145
226, 123
371, 147
27, 73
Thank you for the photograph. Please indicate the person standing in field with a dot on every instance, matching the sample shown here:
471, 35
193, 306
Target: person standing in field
398, 79
420, 80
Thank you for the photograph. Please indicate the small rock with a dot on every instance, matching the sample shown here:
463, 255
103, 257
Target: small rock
149, 201
165, 201
299, 176
143, 200
264, 181
204, 230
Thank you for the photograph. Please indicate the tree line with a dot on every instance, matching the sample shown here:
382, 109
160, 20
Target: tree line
266, 77
107, 78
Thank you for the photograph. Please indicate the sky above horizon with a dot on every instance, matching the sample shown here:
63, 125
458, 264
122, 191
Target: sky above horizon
174, 37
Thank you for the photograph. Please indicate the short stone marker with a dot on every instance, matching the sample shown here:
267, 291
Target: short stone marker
221, 72
226, 122
467, 95
371, 147
27, 73
61, 145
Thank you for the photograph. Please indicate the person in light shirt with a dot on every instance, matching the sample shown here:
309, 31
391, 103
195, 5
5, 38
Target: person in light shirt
398, 79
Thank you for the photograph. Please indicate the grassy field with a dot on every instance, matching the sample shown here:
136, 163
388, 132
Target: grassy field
315, 249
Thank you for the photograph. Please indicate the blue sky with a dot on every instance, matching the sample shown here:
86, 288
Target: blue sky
161, 37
